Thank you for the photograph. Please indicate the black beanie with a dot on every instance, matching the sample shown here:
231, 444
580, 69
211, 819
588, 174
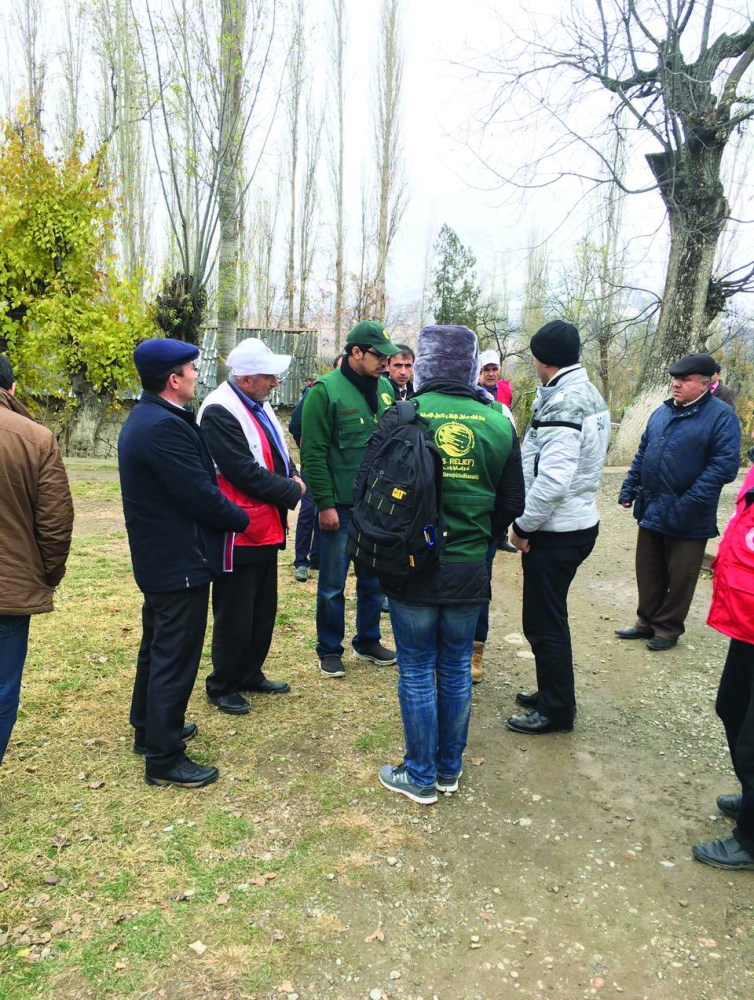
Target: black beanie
557, 344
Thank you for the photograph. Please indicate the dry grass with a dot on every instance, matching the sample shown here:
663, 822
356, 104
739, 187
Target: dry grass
108, 886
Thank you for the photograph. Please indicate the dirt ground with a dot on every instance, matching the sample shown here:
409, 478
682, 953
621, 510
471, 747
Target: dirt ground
562, 868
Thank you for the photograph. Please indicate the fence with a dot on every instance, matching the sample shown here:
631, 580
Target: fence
300, 344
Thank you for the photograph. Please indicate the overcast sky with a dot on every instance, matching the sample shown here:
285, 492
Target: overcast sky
438, 97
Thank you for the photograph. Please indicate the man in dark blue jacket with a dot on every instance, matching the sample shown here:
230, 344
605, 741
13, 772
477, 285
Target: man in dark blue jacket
688, 452
176, 519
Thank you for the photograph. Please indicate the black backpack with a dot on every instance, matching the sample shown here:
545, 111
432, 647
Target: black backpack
396, 526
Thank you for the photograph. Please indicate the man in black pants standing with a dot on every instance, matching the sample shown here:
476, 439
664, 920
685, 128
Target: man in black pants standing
176, 519
563, 454
254, 471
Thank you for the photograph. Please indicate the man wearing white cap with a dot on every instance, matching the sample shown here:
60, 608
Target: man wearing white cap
254, 471
489, 378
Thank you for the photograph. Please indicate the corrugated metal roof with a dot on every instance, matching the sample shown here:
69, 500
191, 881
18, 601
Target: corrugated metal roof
300, 344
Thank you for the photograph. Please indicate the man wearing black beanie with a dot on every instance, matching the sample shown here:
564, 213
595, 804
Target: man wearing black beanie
563, 454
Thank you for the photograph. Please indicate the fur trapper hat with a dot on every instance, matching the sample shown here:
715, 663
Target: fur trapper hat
446, 353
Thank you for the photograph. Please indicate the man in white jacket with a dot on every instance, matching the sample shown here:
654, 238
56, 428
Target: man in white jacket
563, 455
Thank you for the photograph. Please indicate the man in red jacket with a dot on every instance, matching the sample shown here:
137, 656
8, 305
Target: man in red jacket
489, 378
732, 613
255, 472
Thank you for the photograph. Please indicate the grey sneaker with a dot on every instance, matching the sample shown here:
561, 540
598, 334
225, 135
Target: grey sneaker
396, 779
448, 784
301, 574
377, 654
332, 666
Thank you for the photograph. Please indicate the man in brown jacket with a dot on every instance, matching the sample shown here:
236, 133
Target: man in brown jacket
36, 519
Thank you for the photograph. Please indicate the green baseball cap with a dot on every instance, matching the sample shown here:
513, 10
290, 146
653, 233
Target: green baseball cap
370, 333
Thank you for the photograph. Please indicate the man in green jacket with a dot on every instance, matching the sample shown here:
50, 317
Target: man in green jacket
434, 612
340, 413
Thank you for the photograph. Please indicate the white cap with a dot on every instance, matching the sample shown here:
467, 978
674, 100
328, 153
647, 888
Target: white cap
489, 358
253, 357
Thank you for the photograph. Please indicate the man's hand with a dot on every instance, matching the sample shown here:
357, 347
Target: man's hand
329, 520
522, 544
628, 505
300, 481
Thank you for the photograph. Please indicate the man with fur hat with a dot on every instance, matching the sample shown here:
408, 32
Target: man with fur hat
255, 471
340, 413
563, 455
688, 452
177, 520
434, 613
36, 520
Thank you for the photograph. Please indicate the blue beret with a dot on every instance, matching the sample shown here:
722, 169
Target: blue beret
162, 355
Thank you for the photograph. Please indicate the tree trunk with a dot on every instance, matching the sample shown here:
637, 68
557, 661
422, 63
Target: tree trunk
231, 61
83, 423
297, 58
339, 46
697, 209
603, 342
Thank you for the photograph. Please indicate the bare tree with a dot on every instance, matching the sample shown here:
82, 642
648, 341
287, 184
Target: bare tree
264, 229
364, 284
123, 107
387, 138
232, 37
339, 39
427, 289
296, 73
679, 78
72, 58
309, 220
27, 19
199, 130
536, 288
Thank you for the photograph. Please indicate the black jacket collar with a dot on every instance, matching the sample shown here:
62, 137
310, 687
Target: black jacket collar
180, 411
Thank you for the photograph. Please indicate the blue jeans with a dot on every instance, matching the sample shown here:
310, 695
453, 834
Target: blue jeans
14, 641
483, 622
331, 602
434, 685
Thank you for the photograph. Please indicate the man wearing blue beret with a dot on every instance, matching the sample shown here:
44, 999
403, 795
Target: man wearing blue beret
177, 522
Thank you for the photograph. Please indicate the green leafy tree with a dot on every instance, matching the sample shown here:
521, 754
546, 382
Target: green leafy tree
68, 320
456, 292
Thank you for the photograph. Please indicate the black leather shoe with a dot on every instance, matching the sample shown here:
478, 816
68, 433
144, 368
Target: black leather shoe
534, 724
634, 632
659, 644
189, 732
231, 704
527, 699
187, 774
270, 687
727, 854
505, 546
730, 805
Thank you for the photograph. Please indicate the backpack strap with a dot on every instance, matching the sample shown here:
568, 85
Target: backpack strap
407, 410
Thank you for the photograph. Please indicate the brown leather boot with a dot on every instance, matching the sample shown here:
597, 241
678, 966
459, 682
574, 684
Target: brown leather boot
476, 662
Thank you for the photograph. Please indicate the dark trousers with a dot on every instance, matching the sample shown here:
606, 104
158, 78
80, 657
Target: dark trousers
244, 605
14, 641
667, 571
307, 531
173, 626
735, 706
548, 573
483, 621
